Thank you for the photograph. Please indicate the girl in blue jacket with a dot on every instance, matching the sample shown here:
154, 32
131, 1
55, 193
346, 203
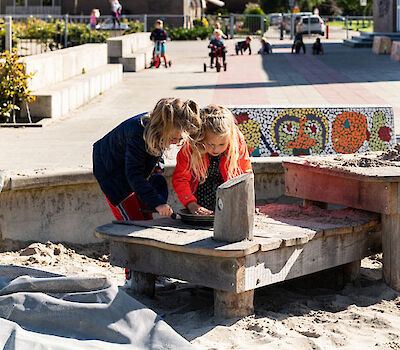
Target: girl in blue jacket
125, 159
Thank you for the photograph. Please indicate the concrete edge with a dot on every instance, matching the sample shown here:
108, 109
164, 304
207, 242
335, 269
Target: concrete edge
45, 178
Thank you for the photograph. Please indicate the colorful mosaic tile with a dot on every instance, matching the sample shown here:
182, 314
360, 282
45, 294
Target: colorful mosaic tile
276, 131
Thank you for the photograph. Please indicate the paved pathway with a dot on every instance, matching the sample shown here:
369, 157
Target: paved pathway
343, 76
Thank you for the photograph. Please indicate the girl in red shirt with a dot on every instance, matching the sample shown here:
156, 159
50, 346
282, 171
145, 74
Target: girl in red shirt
217, 154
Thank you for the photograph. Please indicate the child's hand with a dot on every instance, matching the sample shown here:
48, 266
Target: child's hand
196, 209
164, 210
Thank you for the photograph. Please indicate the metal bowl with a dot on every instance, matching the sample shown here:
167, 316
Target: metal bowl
195, 220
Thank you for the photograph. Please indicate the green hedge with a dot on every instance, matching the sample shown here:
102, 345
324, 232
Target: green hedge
189, 34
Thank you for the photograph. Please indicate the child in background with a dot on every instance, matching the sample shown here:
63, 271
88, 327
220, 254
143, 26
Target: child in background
217, 154
298, 44
215, 44
116, 10
266, 47
124, 159
242, 46
159, 34
317, 47
95, 14
217, 26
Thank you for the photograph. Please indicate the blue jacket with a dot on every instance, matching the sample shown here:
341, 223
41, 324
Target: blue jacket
122, 165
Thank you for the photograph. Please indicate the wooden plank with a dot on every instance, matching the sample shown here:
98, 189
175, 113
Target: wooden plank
232, 305
355, 193
234, 213
210, 271
265, 268
333, 165
391, 250
192, 241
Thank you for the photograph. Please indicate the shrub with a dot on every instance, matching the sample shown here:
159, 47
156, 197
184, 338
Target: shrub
13, 84
201, 22
254, 23
189, 34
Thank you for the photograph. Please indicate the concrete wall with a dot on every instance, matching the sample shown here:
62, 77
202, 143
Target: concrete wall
67, 206
53, 67
384, 13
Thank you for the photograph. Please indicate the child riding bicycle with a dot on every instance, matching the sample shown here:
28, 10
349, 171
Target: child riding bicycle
217, 46
159, 36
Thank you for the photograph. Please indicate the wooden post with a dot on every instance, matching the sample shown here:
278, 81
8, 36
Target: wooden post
234, 212
391, 250
231, 304
351, 271
143, 283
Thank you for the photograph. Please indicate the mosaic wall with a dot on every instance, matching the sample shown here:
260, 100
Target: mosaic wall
301, 131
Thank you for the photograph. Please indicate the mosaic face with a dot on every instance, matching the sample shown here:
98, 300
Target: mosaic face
297, 131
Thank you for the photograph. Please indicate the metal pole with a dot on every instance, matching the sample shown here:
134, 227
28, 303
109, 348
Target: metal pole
347, 27
66, 32
262, 25
8, 34
309, 29
232, 21
145, 23
291, 26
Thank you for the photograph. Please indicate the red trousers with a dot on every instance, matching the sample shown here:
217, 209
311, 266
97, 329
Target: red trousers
130, 209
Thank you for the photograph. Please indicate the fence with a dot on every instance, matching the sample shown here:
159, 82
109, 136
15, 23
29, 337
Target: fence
290, 24
41, 33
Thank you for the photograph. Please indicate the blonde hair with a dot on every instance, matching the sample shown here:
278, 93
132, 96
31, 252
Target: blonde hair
169, 115
217, 120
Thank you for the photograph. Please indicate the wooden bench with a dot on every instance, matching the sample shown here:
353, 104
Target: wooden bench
289, 242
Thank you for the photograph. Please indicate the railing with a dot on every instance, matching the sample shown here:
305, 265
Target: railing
41, 33
290, 24
36, 34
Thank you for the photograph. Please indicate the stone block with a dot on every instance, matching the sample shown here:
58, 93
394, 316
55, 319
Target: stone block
381, 45
395, 54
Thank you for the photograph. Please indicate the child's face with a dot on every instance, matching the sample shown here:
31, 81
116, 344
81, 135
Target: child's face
216, 144
158, 25
177, 137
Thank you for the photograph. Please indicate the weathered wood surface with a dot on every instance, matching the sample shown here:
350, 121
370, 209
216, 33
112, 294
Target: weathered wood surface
265, 268
255, 270
269, 232
209, 271
331, 185
195, 241
391, 250
234, 212
333, 164
143, 283
232, 305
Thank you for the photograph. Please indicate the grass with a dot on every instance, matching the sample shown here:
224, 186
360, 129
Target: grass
367, 26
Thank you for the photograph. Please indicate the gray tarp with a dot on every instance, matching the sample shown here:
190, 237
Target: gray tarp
57, 312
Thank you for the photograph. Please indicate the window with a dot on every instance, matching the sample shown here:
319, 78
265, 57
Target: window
19, 2
47, 2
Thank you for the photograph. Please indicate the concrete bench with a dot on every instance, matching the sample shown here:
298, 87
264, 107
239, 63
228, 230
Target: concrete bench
395, 54
287, 131
67, 78
382, 45
133, 51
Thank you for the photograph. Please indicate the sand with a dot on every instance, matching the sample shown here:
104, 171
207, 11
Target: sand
301, 314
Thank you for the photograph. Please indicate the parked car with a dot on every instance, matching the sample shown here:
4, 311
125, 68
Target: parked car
311, 24
287, 20
274, 19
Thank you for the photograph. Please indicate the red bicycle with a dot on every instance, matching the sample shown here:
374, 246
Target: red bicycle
218, 52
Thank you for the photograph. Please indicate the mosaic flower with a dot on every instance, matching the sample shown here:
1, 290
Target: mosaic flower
349, 131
